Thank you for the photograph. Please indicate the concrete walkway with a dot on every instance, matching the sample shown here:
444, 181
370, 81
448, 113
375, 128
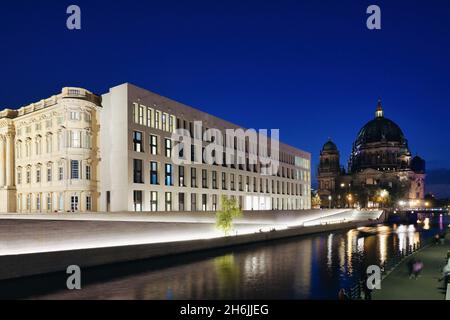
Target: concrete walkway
398, 286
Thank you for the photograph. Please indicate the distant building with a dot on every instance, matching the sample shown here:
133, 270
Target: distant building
380, 169
80, 152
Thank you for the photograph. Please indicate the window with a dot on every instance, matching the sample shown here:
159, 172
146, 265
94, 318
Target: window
193, 178
204, 202
164, 121
29, 202
157, 119
154, 173
49, 174
38, 175
137, 141
88, 172
61, 202
168, 201
60, 173
19, 176
136, 113
181, 201
28, 175
153, 145
193, 202
88, 203
49, 202
38, 202
168, 148
48, 143
214, 179
232, 182
75, 139
87, 117
214, 202
137, 171
74, 115
141, 115
75, 169
204, 178
38, 146
137, 200
172, 124
168, 175
149, 117
153, 201
224, 181
181, 176
247, 184
240, 183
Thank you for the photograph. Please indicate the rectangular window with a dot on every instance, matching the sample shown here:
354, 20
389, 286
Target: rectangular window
214, 202
88, 203
240, 183
136, 113
137, 141
181, 176
88, 172
224, 181
232, 182
75, 169
204, 202
74, 115
153, 201
137, 200
164, 121
193, 178
168, 199
60, 173
49, 202
141, 115
38, 202
38, 175
168, 148
181, 206
137, 171
214, 179
193, 202
49, 174
149, 117
75, 139
204, 178
157, 119
154, 173
19, 177
153, 145
168, 175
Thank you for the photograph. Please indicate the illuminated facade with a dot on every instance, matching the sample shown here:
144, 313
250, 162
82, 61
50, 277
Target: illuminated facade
380, 168
49, 154
77, 152
138, 173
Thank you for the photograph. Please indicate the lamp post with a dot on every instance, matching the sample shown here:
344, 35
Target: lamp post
349, 198
329, 201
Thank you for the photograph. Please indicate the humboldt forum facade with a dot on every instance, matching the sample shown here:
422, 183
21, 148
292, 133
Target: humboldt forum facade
79, 152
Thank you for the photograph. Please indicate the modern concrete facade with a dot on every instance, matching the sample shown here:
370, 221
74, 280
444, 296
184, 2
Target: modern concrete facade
78, 152
137, 126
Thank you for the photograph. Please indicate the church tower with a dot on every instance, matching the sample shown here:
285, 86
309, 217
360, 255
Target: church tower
329, 171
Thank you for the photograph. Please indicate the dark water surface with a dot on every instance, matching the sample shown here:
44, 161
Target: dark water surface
309, 267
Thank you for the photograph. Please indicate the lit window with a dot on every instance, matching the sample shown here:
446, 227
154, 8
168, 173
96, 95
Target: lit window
168, 175
153, 145
154, 173
137, 141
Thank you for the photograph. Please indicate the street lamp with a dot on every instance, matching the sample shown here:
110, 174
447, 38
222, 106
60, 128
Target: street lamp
329, 201
349, 198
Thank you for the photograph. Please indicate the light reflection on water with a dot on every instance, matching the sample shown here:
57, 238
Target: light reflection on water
312, 267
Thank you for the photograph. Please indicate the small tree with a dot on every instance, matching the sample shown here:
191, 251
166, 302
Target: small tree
229, 210
316, 201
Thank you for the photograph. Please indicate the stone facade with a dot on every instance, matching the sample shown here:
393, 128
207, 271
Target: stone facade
380, 168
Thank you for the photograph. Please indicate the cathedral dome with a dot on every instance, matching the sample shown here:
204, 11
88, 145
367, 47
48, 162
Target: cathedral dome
329, 146
380, 129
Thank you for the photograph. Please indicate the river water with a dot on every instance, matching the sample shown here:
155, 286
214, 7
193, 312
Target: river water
308, 267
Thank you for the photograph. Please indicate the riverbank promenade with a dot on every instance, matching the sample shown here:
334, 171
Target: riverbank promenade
398, 286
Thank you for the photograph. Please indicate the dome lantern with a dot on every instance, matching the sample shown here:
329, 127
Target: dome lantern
379, 112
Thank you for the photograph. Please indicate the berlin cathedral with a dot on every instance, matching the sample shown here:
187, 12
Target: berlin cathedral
381, 170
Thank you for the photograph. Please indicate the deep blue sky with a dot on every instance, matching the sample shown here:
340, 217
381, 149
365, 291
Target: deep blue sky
310, 68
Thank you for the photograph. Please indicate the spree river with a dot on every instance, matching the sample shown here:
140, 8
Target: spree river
308, 267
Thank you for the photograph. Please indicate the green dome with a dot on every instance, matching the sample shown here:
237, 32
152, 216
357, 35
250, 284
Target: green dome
380, 129
329, 146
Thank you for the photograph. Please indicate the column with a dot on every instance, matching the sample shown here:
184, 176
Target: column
10, 160
2, 161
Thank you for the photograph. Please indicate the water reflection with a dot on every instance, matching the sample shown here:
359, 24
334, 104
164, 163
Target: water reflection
312, 267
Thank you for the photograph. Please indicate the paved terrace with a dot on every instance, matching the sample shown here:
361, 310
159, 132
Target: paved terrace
33, 233
398, 286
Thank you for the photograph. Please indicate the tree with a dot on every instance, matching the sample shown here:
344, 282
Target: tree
228, 212
315, 201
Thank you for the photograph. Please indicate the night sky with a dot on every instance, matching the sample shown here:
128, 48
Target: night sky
310, 68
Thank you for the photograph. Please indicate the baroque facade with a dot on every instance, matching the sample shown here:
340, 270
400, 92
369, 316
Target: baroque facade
380, 169
79, 152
